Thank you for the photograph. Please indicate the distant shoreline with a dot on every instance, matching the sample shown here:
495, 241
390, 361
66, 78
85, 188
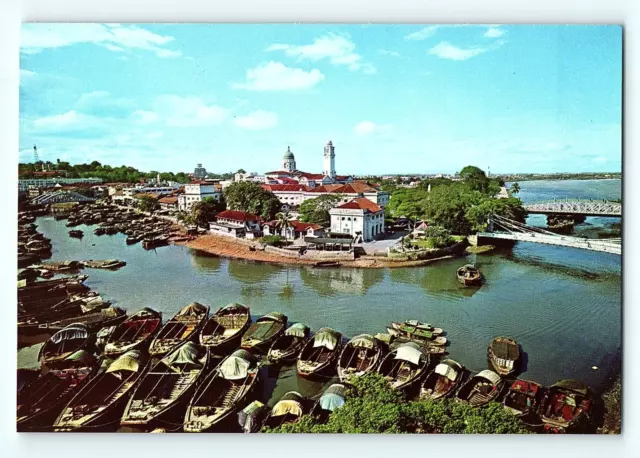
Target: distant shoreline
523, 179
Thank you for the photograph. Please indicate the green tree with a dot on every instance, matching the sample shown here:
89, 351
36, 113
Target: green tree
283, 221
147, 203
204, 211
515, 188
478, 215
317, 210
252, 198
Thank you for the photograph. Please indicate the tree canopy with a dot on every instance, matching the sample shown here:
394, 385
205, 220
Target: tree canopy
373, 407
206, 210
147, 203
317, 210
252, 198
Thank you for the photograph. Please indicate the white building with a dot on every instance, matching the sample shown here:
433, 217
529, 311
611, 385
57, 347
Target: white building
329, 163
23, 185
233, 223
292, 195
249, 176
159, 189
361, 218
196, 191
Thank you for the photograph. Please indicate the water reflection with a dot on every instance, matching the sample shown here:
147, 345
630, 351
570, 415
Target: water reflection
328, 282
252, 272
205, 262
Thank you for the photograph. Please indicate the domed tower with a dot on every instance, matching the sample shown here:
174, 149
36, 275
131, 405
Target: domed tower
289, 161
329, 164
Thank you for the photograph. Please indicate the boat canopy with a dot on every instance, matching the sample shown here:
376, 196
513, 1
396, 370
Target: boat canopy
185, 355
326, 337
146, 312
193, 309
489, 375
505, 348
130, 362
572, 385
446, 371
81, 357
249, 417
236, 366
333, 398
409, 352
274, 316
233, 306
363, 341
383, 337
73, 331
291, 403
297, 330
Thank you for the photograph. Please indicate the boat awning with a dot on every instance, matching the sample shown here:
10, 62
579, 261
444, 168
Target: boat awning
73, 331
274, 316
363, 341
409, 352
130, 362
193, 309
572, 385
187, 355
234, 368
297, 330
287, 407
331, 401
489, 375
446, 371
327, 338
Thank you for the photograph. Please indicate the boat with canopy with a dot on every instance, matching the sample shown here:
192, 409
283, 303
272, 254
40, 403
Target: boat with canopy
503, 354
225, 327
182, 327
360, 356
261, 334
320, 353
332, 399
480, 389
287, 347
64, 343
136, 332
566, 405
289, 409
404, 365
442, 381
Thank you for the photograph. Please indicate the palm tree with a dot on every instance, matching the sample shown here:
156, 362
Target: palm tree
283, 223
515, 188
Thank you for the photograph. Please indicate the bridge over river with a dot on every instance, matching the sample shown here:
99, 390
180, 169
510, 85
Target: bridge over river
507, 229
576, 207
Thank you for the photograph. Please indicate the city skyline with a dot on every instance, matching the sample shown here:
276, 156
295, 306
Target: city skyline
528, 99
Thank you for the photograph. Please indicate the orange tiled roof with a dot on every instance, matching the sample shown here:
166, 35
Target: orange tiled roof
362, 203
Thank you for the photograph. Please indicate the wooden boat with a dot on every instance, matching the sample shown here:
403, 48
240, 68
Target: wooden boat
333, 398
153, 242
480, 389
60, 267
320, 353
182, 327
225, 327
404, 365
252, 417
41, 400
468, 275
289, 409
135, 332
523, 398
167, 386
327, 264
107, 264
442, 381
421, 336
264, 332
411, 326
132, 239
503, 354
64, 343
287, 347
223, 392
76, 233
566, 405
360, 356
99, 403
94, 320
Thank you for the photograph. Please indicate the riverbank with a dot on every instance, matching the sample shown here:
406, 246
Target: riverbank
235, 249
612, 400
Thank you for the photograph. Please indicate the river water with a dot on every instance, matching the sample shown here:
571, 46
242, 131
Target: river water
562, 305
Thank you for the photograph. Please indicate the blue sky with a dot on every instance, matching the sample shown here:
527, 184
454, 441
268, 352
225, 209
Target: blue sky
394, 99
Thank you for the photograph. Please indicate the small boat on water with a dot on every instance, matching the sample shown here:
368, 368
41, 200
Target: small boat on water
261, 334
153, 242
223, 393
468, 275
523, 398
100, 403
442, 381
404, 365
327, 264
107, 264
64, 343
289, 409
503, 354
332, 399
359, 356
480, 389
133, 239
411, 326
225, 327
566, 405
287, 347
167, 387
422, 336
61, 267
41, 400
76, 233
252, 417
182, 327
135, 332
320, 353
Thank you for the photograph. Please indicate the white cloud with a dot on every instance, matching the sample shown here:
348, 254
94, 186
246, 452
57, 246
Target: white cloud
369, 127
387, 52
70, 118
144, 116
423, 34
339, 49
446, 50
114, 37
178, 111
275, 76
494, 32
257, 120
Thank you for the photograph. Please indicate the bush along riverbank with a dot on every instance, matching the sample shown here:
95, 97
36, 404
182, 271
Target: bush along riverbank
373, 407
612, 401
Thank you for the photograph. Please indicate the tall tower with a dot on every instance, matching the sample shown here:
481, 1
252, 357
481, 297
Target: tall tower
329, 164
289, 161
